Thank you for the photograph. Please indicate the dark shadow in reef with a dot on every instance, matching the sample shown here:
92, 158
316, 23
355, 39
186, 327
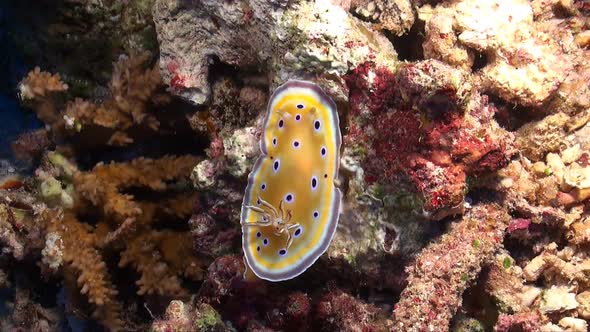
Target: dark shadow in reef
174, 137
479, 62
409, 45
511, 116
478, 304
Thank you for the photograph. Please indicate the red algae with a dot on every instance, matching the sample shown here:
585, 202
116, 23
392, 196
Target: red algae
423, 124
398, 131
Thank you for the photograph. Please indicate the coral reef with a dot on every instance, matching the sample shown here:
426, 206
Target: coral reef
465, 167
448, 132
76, 220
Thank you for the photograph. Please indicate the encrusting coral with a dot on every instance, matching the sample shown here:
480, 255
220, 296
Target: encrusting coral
272, 37
395, 16
448, 132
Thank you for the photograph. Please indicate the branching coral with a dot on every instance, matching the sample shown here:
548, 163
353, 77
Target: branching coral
132, 89
86, 265
133, 92
80, 249
40, 90
104, 186
113, 207
161, 257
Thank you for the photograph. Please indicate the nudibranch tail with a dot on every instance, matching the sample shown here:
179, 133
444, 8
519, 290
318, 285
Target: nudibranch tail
291, 204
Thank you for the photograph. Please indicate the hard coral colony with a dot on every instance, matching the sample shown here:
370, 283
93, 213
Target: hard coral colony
291, 205
422, 165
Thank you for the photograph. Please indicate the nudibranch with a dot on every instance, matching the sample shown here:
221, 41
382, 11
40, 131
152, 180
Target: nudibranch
291, 205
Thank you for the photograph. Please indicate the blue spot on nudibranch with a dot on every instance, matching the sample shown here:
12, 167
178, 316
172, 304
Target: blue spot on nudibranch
300, 106
298, 231
265, 242
323, 151
314, 183
282, 252
316, 214
297, 117
281, 123
276, 165
289, 198
317, 125
296, 144
258, 234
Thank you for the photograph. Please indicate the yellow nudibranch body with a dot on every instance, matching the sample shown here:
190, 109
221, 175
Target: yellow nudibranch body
291, 205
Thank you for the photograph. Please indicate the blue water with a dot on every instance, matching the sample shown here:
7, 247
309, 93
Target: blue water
14, 120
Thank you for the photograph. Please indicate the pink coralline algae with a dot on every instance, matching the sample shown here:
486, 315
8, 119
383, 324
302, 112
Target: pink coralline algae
525, 322
340, 311
426, 125
444, 270
518, 224
222, 276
